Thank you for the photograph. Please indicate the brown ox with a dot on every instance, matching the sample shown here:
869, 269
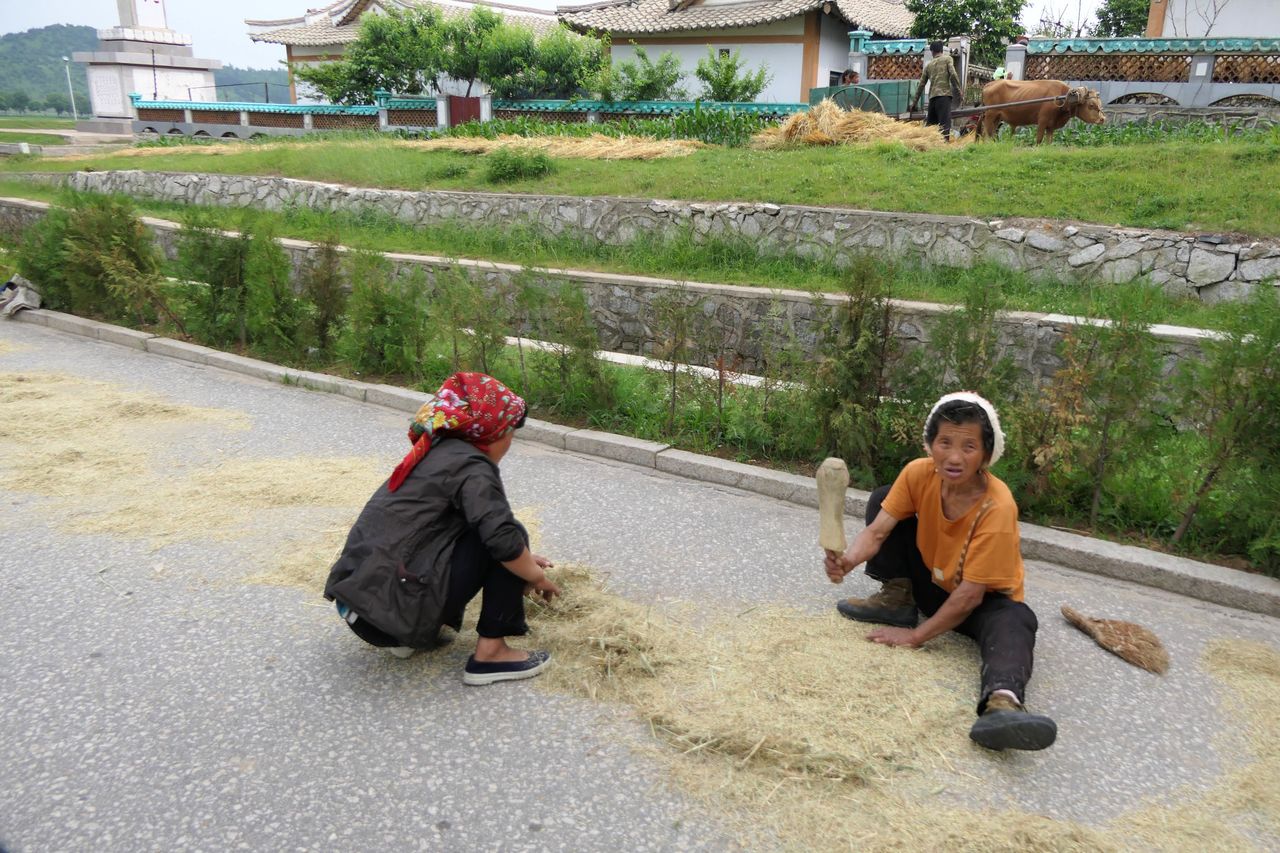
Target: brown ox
1084, 104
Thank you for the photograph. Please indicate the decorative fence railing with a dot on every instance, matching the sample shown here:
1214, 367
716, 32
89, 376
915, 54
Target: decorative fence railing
1186, 72
244, 120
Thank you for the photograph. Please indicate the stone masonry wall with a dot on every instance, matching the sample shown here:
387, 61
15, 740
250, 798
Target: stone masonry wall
744, 318
1208, 266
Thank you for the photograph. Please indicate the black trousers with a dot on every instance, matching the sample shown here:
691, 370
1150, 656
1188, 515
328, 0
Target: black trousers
940, 114
472, 570
1004, 629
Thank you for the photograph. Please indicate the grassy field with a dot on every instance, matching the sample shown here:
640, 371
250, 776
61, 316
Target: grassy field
33, 138
28, 121
727, 262
1231, 186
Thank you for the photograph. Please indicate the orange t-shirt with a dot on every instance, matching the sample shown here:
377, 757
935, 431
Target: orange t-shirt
994, 558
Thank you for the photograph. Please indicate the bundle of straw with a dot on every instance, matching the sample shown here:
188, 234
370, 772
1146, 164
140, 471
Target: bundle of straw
1130, 642
827, 124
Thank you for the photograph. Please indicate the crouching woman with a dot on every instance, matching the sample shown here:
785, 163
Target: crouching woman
943, 541
439, 531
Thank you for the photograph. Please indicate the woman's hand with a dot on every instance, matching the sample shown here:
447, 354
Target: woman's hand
545, 588
905, 637
833, 564
543, 562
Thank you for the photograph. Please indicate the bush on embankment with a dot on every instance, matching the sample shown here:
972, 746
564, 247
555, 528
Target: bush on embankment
1189, 460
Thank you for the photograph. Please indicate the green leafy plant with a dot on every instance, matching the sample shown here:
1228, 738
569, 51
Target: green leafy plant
213, 267
401, 51
321, 281
989, 23
725, 78
274, 315
571, 368
507, 164
1232, 395
642, 79
387, 320
678, 328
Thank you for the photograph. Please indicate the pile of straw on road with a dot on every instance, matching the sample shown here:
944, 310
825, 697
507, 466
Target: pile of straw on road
594, 147
828, 124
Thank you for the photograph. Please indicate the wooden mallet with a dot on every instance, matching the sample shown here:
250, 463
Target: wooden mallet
832, 479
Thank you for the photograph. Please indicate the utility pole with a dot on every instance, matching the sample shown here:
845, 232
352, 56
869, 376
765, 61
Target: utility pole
66, 66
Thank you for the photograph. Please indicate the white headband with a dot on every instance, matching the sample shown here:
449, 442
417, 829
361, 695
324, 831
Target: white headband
997, 449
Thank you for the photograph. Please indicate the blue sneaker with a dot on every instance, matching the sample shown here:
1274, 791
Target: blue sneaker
481, 672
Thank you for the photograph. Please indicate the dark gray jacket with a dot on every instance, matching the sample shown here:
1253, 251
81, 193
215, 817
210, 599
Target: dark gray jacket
394, 569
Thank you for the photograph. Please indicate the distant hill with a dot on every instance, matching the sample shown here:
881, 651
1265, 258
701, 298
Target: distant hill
31, 66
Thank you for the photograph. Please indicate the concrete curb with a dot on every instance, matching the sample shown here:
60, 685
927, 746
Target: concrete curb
1204, 581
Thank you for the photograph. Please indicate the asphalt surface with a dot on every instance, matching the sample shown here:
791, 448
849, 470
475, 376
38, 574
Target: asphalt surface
153, 700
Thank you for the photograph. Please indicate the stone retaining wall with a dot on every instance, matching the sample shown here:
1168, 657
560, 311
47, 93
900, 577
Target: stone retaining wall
746, 319
1209, 266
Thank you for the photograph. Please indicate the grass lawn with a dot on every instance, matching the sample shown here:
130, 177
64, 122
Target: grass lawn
33, 138
723, 261
50, 122
1231, 186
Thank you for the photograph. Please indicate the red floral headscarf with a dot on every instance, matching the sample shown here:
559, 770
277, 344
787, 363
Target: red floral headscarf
471, 406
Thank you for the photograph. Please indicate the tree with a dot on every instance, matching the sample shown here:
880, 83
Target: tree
987, 22
463, 42
58, 103
400, 52
508, 62
568, 64
642, 79
1118, 18
19, 101
724, 78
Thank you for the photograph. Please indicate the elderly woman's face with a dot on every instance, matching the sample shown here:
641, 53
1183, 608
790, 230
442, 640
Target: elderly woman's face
499, 448
957, 452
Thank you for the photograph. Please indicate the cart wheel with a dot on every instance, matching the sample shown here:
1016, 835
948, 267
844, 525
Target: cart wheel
857, 98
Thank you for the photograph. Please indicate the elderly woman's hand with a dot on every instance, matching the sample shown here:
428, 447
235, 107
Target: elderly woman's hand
545, 588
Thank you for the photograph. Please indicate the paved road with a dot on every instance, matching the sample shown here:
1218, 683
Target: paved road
151, 700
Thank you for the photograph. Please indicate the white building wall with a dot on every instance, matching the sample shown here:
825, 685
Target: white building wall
833, 49
1234, 19
783, 61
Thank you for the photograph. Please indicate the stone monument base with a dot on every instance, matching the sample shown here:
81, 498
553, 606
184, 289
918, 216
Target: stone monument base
122, 126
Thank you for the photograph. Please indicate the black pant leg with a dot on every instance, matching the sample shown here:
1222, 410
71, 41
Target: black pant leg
940, 111
472, 570
1005, 631
931, 117
899, 557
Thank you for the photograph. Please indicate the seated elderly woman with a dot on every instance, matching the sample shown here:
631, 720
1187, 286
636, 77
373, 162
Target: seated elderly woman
943, 540
439, 531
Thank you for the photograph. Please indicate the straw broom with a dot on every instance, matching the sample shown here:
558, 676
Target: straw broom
1130, 642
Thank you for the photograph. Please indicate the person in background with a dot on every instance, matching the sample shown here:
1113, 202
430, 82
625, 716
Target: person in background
944, 84
850, 78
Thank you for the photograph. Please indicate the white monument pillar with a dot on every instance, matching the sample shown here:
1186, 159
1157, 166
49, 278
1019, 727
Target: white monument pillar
142, 55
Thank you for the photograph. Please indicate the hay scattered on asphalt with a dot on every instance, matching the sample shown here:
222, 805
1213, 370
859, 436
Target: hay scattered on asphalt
7, 347
828, 124
593, 147
1241, 812
98, 449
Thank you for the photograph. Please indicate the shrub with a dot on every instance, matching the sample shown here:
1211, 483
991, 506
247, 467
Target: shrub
386, 328
213, 267
96, 258
642, 79
725, 79
504, 165
274, 315
321, 281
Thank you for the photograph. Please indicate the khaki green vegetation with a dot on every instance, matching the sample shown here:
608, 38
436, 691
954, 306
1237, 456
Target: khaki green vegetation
38, 122
1158, 185
1190, 460
723, 261
33, 138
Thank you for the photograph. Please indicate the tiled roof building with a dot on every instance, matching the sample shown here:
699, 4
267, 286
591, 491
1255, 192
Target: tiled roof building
321, 35
803, 42
887, 18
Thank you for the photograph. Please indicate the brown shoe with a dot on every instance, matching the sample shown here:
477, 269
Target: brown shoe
892, 605
1006, 724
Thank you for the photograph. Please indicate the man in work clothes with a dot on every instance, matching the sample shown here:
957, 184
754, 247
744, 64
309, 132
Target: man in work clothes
941, 78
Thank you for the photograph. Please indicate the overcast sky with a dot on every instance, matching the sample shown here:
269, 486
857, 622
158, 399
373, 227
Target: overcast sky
219, 32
